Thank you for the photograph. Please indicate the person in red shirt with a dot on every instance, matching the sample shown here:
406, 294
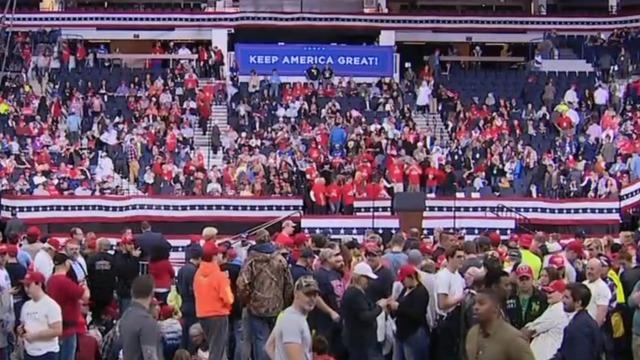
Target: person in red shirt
348, 196
284, 238
319, 197
414, 172
163, 274
334, 193
395, 171
69, 296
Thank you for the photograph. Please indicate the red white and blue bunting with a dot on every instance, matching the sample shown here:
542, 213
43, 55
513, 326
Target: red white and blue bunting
150, 21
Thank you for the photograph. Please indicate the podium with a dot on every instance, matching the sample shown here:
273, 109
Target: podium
409, 207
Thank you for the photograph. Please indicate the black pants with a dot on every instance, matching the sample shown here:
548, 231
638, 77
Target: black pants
447, 336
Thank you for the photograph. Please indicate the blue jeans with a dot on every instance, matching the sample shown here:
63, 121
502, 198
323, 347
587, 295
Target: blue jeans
47, 356
413, 348
260, 329
68, 347
235, 343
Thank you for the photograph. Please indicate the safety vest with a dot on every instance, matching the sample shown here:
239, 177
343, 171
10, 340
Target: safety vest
533, 261
619, 290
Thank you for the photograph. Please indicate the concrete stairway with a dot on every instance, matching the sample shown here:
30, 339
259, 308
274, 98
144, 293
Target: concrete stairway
201, 141
566, 65
432, 121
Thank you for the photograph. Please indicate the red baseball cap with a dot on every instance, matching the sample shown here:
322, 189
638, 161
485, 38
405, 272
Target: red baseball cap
209, 250
406, 271
372, 248
495, 239
556, 261
53, 244
300, 239
33, 231
166, 312
526, 241
12, 250
555, 286
576, 246
34, 277
524, 270
3, 249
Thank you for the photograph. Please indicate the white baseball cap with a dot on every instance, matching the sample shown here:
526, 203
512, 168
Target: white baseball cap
363, 269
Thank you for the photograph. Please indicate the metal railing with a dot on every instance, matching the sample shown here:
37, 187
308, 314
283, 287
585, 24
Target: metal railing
504, 211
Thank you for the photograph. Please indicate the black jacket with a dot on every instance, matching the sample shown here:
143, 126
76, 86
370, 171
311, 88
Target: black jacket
184, 285
102, 275
359, 314
629, 278
127, 268
411, 314
153, 245
537, 305
582, 339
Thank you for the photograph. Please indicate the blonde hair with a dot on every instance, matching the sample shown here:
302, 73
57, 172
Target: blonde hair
182, 354
209, 233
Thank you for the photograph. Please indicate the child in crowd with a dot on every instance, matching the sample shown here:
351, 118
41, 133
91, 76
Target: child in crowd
320, 347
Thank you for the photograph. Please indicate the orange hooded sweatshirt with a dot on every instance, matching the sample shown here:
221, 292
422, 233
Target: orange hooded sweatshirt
212, 291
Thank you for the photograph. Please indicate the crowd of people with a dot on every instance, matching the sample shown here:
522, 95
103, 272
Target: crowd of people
291, 296
95, 128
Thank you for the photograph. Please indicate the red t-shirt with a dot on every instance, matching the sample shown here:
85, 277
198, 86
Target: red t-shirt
284, 240
162, 273
348, 194
333, 192
67, 294
396, 173
414, 174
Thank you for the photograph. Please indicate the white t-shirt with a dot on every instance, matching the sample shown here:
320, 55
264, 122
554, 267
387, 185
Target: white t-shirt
292, 328
600, 295
448, 283
37, 316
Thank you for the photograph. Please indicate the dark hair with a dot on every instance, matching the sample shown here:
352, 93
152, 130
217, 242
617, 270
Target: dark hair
396, 240
142, 287
452, 250
580, 292
469, 247
553, 273
320, 345
491, 295
145, 226
493, 276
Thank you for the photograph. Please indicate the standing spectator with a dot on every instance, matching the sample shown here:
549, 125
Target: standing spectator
17, 273
303, 265
396, 257
313, 75
214, 299
232, 266
68, 295
633, 300
284, 238
449, 294
101, 278
139, 331
582, 338
327, 75
274, 84
127, 268
163, 273
43, 262
184, 285
14, 224
324, 320
266, 288
291, 336
547, 330
41, 321
149, 240
412, 334
528, 303
360, 314
78, 270
33, 244
493, 338
598, 305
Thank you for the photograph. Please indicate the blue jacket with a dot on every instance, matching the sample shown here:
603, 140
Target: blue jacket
582, 339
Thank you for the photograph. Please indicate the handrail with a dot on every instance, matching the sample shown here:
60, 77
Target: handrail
520, 217
241, 236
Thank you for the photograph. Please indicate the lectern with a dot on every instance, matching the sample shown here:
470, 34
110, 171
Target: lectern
409, 207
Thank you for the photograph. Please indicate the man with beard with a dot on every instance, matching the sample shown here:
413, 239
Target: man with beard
291, 337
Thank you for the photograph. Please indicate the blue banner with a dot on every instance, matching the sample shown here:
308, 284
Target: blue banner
295, 59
